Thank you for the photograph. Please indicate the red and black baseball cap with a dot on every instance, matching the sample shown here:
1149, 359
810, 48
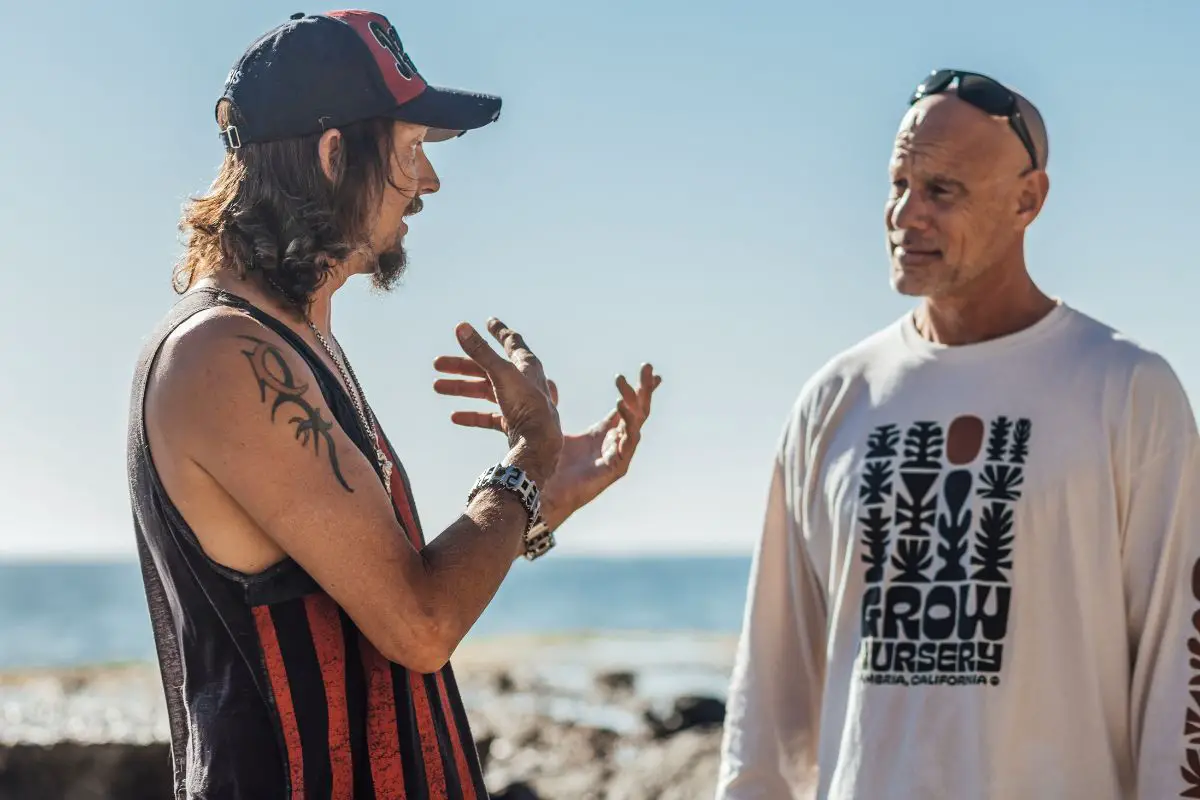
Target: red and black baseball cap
320, 71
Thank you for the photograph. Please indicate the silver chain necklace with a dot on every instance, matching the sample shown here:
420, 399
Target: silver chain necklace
359, 401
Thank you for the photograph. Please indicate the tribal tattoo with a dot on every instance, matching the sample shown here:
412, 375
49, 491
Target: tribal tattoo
272, 372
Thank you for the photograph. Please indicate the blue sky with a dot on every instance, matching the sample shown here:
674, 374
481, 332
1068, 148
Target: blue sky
695, 183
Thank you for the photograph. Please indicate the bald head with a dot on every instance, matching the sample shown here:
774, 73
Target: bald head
962, 194
945, 128
946, 122
958, 112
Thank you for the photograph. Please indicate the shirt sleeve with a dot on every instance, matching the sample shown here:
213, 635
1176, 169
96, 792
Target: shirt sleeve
769, 745
1161, 548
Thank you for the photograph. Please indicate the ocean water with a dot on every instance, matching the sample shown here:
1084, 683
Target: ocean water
82, 614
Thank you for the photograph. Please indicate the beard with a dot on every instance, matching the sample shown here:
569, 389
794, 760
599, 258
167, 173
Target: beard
391, 262
389, 268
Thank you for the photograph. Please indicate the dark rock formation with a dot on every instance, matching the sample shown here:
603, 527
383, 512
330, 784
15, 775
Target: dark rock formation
70, 771
684, 714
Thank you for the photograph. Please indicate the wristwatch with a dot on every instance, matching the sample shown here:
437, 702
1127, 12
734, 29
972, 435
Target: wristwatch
538, 537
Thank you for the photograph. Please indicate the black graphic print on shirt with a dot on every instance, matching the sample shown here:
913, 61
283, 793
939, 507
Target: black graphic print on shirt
1190, 769
936, 538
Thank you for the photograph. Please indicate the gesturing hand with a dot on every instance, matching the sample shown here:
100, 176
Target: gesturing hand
518, 386
589, 462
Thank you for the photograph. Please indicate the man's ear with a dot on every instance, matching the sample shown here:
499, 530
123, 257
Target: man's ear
329, 149
1032, 196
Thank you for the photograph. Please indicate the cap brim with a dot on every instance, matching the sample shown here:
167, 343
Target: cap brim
449, 112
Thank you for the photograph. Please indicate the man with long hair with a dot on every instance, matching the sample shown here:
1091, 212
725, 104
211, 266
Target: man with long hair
978, 566
303, 623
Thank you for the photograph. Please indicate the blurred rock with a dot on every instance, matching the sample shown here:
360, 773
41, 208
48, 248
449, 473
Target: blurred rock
683, 767
503, 683
483, 746
92, 739
685, 713
516, 791
69, 771
616, 682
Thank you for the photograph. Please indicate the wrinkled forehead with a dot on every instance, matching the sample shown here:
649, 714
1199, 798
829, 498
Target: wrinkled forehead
944, 134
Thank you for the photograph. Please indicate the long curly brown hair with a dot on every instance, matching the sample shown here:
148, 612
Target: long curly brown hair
272, 211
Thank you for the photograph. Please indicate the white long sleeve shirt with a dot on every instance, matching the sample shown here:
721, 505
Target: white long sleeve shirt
977, 578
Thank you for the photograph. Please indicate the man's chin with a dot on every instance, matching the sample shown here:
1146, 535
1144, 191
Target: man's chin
905, 284
389, 269
911, 281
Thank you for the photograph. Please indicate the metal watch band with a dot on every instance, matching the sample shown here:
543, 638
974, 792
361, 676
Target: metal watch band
538, 538
538, 541
516, 481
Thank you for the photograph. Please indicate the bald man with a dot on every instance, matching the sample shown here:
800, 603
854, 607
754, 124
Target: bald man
978, 569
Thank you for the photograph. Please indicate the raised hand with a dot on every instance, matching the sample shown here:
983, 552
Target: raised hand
589, 462
518, 386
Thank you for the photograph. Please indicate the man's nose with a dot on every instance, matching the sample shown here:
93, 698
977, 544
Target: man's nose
429, 182
907, 211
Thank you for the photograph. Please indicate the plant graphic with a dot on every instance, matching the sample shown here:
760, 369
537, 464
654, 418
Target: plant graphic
1000, 482
1020, 447
916, 511
993, 550
1191, 774
875, 537
998, 441
912, 558
876, 483
923, 446
954, 526
882, 442
1191, 725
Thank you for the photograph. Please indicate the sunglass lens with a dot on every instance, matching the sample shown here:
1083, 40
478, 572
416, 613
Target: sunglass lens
936, 82
985, 94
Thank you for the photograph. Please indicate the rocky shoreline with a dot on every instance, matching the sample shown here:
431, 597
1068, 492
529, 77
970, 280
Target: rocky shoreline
562, 725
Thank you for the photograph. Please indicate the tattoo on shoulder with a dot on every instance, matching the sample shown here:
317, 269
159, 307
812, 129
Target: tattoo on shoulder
272, 372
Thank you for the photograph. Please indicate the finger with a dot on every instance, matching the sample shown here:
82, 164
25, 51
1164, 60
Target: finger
511, 340
628, 395
480, 351
645, 386
605, 425
478, 390
477, 419
655, 382
628, 443
519, 353
457, 365
632, 420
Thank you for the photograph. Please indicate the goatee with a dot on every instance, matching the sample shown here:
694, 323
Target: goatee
389, 268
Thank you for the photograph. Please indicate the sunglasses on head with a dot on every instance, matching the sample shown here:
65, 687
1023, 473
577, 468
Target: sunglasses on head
986, 94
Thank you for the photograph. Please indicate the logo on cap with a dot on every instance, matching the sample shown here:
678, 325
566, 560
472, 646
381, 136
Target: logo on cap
390, 40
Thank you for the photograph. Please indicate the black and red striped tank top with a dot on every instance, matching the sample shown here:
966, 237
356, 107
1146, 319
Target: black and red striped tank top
271, 690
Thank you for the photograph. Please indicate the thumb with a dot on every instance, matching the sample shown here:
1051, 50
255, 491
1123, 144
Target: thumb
479, 350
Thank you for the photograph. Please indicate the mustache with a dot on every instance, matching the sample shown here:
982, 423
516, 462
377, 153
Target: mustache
911, 243
414, 207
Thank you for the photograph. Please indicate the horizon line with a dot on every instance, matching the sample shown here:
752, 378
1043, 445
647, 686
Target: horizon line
18, 558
